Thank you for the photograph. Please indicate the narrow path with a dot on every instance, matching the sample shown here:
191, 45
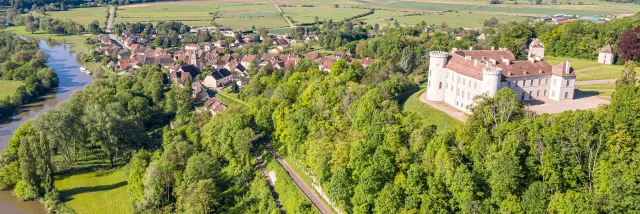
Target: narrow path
587, 68
107, 29
272, 188
595, 82
311, 195
283, 15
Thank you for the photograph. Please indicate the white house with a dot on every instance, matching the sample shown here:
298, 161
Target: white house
218, 78
606, 55
457, 77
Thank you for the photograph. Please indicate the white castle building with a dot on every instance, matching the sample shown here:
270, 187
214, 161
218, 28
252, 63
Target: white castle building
457, 77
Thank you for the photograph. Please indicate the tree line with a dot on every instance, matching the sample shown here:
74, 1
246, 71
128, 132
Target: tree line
23, 61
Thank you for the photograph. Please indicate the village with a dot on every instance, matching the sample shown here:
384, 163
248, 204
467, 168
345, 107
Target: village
212, 66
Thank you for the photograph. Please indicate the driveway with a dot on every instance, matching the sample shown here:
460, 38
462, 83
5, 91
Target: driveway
580, 101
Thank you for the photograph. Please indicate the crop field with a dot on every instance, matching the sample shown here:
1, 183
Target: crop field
235, 15
82, 15
307, 14
453, 19
96, 192
8, 87
316, 2
514, 9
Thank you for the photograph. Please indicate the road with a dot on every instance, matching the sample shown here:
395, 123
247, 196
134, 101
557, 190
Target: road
272, 188
313, 197
283, 15
107, 29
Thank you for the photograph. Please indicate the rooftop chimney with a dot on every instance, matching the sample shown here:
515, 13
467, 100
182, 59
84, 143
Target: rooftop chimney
454, 49
532, 60
475, 62
567, 67
506, 61
470, 48
493, 48
467, 57
493, 61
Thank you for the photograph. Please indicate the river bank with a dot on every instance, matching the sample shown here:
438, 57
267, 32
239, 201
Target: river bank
68, 70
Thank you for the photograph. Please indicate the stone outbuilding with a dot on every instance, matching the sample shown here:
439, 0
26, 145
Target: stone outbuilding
606, 55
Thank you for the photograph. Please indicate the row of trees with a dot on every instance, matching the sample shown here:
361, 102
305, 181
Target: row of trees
53, 26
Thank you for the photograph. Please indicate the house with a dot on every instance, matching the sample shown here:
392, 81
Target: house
199, 92
191, 47
248, 59
277, 50
183, 73
126, 64
606, 55
458, 76
218, 78
208, 46
311, 38
220, 44
104, 39
366, 62
339, 55
280, 42
325, 64
313, 55
241, 81
214, 105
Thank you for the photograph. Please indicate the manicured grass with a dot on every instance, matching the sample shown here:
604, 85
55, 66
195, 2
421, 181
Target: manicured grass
290, 195
95, 192
602, 90
590, 69
429, 115
301, 15
230, 99
76, 42
8, 87
82, 15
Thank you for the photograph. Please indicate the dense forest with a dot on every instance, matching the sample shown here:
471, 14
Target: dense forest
23, 61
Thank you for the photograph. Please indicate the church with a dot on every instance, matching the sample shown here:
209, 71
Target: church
460, 75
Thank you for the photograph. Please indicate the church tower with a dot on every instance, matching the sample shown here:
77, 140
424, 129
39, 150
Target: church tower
194, 60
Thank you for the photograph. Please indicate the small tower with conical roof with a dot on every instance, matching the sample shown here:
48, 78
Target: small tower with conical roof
536, 50
606, 55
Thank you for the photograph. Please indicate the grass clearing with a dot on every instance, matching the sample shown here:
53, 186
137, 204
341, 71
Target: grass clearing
429, 115
229, 99
590, 69
95, 192
8, 87
82, 15
76, 42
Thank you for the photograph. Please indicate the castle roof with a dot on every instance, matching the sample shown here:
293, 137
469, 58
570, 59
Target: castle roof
536, 43
471, 63
606, 49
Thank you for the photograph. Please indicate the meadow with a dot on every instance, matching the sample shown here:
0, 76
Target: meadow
429, 115
8, 87
301, 15
602, 90
82, 15
235, 15
76, 42
95, 192
453, 19
513, 9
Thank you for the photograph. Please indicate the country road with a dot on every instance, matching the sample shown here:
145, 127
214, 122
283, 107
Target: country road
313, 197
283, 15
107, 29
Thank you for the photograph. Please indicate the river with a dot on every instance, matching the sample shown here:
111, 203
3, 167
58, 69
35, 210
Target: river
68, 70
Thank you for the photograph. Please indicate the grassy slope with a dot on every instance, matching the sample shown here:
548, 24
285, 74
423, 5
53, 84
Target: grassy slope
95, 192
453, 19
7, 87
429, 115
308, 14
83, 15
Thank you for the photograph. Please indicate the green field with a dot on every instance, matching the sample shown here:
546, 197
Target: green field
82, 15
7, 87
602, 90
95, 192
453, 19
235, 15
590, 69
307, 14
340, 2
515, 9
429, 115
76, 42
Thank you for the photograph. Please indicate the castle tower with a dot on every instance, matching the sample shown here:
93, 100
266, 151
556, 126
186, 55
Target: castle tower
491, 77
437, 75
536, 50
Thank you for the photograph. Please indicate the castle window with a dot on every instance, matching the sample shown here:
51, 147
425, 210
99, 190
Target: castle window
566, 95
546, 81
538, 94
531, 83
508, 84
464, 81
539, 81
462, 93
458, 79
468, 95
530, 94
554, 82
524, 83
545, 93
430, 73
475, 85
553, 93
440, 85
568, 82
457, 92
522, 96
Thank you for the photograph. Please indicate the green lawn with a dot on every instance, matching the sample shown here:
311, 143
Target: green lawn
301, 15
292, 198
82, 15
602, 90
95, 192
8, 87
229, 99
429, 115
590, 69
76, 42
